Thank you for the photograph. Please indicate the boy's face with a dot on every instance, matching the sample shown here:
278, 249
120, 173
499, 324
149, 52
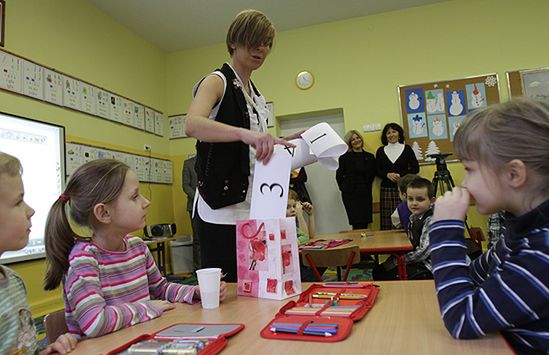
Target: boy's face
418, 200
15, 214
290, 208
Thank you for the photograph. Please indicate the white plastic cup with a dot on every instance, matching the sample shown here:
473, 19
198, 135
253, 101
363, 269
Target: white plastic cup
209, 280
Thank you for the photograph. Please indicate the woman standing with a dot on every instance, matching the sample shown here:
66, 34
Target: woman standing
356, 172
394, 160
228, 116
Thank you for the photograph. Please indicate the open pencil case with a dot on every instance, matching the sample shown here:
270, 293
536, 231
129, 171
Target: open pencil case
181, 338
324, 313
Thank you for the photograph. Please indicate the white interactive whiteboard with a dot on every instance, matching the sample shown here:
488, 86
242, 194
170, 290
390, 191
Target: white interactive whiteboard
40, 147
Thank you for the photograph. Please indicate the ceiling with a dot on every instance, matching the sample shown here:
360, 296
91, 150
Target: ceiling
173, 25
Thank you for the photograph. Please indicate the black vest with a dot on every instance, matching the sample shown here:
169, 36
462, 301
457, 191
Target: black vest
223, 168
415, 228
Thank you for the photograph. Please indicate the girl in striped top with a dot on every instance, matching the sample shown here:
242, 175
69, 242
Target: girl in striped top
504, 150
110, 281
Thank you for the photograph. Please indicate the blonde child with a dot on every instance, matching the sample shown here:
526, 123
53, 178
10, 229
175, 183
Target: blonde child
110, 281
16, 322
504, 149
295, 208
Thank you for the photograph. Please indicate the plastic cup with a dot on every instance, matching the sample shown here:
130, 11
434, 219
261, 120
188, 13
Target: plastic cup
208, 281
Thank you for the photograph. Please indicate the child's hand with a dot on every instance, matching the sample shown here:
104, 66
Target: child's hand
222, 291
163, 305
453, 205
298, 208
308, 208
63, 345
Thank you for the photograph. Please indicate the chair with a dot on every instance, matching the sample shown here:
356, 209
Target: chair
336, 257
55, 325
474, 242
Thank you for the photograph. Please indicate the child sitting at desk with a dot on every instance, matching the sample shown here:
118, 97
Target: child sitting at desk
420, 196
110, 281
401, 216
16, 322
506, 288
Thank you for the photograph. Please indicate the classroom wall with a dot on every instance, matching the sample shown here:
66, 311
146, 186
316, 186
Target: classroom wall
358, 63
74, 37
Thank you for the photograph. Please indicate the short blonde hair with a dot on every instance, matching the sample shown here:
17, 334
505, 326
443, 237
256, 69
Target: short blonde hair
9, 165
349, 136
517, 129
250, 28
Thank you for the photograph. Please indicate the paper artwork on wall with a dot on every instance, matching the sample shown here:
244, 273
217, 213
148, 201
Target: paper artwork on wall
87, 98
476, 96
437, 127
53, 87
149, 120
158, 123
435, 101
11, 69
33, 80
177, 126
114, 108
102, 104
127, 111
417, 124
456, 103
414, 100
139, 115
71, 93
453, 124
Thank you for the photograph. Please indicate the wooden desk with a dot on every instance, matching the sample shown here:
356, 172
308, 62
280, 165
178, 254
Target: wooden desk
394, 242
404, 320
158, 245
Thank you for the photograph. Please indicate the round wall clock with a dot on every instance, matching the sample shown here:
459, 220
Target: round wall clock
304, 80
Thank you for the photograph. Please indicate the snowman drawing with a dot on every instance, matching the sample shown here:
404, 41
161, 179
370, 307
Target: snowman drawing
438, 129
413, 101
456, 107
431, 102
418, 125
476, 98
440, 102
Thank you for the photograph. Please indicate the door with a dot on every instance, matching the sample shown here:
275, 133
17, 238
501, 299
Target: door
321, 183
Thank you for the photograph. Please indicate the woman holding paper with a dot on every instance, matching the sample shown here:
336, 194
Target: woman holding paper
394, 160
228, 115
356, 172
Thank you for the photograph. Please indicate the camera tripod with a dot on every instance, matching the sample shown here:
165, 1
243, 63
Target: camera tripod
442, 181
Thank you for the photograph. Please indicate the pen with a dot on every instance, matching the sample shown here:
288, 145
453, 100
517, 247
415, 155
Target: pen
196, 330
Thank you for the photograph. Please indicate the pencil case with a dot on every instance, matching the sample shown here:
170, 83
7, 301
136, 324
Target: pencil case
322, 307
181, 338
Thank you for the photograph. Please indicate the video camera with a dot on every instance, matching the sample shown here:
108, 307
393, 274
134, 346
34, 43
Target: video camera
440, 160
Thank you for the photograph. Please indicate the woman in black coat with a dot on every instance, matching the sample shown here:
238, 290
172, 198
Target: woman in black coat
356, 172
394, 160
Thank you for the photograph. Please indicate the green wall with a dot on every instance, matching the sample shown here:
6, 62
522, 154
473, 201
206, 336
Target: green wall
357, 64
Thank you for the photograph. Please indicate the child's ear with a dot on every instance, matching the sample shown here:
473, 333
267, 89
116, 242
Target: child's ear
101, 213
515, 173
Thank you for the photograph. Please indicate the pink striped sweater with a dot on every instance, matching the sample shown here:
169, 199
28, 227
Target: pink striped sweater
105, 291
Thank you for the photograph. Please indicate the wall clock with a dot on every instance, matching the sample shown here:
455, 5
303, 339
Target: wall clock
304, 80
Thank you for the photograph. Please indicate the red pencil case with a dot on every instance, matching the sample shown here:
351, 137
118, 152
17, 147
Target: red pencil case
337, 306
214, 334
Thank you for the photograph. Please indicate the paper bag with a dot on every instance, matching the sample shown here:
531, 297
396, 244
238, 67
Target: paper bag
267, 258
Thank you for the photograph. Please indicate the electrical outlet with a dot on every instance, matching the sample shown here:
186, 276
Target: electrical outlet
147, 147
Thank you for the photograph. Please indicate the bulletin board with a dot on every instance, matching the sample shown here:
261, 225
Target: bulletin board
432, 112
533, 83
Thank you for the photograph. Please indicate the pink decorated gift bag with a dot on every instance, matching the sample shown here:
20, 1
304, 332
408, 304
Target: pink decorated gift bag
268, 258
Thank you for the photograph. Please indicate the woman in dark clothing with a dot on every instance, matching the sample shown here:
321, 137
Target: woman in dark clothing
356, 172
394, 160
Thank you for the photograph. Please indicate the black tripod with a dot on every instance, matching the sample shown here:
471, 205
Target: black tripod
442, 181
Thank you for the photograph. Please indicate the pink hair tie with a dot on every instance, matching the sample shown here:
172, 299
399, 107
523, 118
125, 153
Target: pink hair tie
64, 197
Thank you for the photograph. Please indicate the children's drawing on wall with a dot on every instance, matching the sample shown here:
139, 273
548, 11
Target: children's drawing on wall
435, 101
417, 125
432, 148
453, 124
437, 127
414, 100
455, 100
418, 152
476, 96
536, 84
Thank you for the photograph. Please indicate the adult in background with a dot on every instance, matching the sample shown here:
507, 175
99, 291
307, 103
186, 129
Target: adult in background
189, 187
394, 160
356, 172
228, 116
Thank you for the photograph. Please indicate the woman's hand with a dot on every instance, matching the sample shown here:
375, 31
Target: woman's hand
263, 143
394, 177
453, 205
63, 345
308, 208
163, 305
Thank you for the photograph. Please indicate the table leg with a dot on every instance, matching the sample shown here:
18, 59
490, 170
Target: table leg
401, 261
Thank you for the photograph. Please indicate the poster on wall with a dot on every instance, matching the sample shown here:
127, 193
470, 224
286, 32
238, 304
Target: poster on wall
533, 83
432, 112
